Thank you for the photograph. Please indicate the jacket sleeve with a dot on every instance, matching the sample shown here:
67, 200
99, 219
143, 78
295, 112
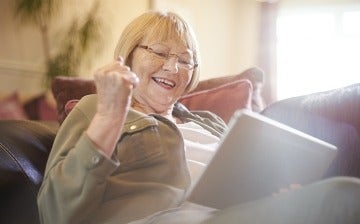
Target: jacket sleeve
75, 174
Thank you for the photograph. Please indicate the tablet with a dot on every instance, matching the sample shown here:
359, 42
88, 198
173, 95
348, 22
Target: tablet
256, 157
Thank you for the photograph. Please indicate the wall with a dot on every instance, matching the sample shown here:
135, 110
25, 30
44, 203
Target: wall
22, 62
226, 30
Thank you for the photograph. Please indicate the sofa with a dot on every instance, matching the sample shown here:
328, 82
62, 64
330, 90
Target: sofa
25, 144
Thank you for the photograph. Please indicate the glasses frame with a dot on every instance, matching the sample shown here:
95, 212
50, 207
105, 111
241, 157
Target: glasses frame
166, 57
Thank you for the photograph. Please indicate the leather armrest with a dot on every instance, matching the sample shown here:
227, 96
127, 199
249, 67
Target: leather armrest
24, 149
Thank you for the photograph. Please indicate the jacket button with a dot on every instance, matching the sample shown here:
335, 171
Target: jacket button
132, 127
95, 159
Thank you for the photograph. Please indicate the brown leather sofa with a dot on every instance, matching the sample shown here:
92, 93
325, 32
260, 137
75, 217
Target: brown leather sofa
25, 146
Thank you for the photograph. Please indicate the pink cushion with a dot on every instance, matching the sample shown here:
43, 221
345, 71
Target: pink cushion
222, 100
38, 108
12, 108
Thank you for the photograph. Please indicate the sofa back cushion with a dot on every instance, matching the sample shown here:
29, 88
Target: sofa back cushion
12, 108
332, 116
70, 89
222, 100
341, 104
221, 95
255, 75
38, 108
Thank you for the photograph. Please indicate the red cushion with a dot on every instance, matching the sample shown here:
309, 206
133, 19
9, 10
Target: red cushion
65, 89
254, 74
221, 95
223, 100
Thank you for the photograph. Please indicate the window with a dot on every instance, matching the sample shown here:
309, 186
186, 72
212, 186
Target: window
317, 51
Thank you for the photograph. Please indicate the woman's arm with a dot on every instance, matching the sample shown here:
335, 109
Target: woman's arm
79, 162
114, 84
76, 171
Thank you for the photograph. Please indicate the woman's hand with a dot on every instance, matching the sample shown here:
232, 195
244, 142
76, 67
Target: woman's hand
114, 85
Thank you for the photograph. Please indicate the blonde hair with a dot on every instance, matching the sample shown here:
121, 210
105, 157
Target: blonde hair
154, 25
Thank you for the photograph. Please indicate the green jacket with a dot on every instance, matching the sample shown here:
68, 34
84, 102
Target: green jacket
147, 172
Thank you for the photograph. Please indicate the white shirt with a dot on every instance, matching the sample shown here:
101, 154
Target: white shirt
200, 145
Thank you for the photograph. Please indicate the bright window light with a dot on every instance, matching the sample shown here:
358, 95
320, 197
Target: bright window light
315, 54
351, 23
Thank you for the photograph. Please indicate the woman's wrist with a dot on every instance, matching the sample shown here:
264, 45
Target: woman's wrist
105, 131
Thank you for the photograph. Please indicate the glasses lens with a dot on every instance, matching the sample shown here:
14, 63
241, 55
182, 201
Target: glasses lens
161, 51
186, 61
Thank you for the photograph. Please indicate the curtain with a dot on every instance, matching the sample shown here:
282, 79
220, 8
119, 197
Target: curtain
267, 49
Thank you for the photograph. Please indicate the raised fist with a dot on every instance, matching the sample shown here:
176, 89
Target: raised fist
114, 83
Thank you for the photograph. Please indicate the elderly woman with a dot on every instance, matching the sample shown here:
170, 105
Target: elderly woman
120, 155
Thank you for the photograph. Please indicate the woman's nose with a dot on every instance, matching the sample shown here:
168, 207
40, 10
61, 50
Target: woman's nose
171, 64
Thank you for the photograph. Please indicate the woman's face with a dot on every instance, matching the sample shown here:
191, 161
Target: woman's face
164, 69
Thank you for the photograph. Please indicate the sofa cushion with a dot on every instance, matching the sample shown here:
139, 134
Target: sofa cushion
67, 90
38, 108
12, 108
341, 104
332, 116
222, 100
254, 74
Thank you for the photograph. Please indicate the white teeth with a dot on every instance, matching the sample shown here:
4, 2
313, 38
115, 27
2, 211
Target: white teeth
164, 81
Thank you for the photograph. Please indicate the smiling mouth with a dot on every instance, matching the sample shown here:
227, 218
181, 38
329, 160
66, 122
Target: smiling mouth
164, 82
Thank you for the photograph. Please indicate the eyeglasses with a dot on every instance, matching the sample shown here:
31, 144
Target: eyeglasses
162, 52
